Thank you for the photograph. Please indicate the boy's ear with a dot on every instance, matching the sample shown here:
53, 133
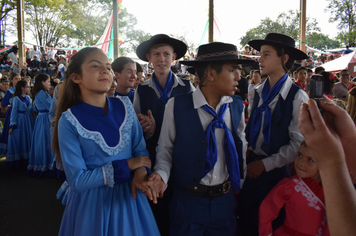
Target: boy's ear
174, 56
75, 78
286, 58
148, 56
210, 76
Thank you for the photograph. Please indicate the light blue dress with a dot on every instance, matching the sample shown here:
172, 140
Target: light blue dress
21, 122
89, 142
41, 157
5, 132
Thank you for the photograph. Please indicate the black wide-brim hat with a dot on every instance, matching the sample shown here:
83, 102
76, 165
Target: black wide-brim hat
214, 52
281, 41
179, 47
191, 70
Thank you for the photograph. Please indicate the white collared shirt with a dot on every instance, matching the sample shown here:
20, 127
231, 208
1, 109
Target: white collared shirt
150, 83
286, 153
166, 141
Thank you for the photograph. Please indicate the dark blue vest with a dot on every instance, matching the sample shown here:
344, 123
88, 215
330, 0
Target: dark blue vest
281, 118
190, 147
150, 101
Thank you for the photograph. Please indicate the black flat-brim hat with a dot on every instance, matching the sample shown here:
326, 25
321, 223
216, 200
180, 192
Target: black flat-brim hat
281, 41
178, 46
216, 51
191, 70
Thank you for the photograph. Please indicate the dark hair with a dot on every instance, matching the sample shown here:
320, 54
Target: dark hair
38, 84
70, 93
257, 71
202, 70
319, 69
328, 84
309, 70
301, 68
119, 63
19, 85
13, 75
280, 53
138, 67
345, 70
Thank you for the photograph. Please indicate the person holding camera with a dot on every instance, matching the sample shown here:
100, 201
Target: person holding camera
342, 88
272, 130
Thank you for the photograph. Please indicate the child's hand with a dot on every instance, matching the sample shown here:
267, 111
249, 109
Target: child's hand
254, 169
147, 122
137, 162
158, 183
10, 131
140, 181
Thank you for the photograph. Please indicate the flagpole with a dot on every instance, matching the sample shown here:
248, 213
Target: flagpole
211, 21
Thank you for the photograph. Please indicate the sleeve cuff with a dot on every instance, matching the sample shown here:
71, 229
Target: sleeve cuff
13, 126
268, 164
108, 173
121, 171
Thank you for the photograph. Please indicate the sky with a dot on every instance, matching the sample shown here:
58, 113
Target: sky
234, 18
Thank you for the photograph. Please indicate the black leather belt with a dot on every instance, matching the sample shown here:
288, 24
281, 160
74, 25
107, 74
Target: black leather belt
210, 192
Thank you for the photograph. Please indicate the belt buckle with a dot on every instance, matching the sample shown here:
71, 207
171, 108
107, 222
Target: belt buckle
226, 187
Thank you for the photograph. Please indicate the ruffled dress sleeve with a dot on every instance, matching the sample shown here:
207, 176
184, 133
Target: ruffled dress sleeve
272, 204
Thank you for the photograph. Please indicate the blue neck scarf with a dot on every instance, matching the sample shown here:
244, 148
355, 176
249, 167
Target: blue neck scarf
164, 92
267, 96
231, 156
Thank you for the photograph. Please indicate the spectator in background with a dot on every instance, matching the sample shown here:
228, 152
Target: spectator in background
36, 52
43, 65
309, 63
51, 52
302, 75
341, 88
351, 104
34, 67
347, 51
242, 87
52, 67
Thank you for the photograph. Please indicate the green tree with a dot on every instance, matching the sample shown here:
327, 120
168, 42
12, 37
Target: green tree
321, 41
286, 23
6, 6
344, 12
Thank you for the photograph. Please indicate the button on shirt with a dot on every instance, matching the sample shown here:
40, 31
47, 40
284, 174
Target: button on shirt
219, 173
286, 153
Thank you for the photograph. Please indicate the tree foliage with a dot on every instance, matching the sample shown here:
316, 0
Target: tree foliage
344, 12
286, 23
6, 6
321, 41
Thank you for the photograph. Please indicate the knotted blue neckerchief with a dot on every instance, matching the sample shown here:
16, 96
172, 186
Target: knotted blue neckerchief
167, 87
267, 96
231, 155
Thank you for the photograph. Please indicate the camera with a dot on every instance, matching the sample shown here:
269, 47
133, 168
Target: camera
317, 88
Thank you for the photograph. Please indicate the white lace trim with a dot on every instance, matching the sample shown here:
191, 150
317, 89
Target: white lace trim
97, 137
308, 194
108, 173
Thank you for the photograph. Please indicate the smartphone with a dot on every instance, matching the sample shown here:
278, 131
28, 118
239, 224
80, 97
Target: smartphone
317, 88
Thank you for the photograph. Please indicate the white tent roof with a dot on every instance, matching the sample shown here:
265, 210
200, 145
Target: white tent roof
134, 57
339, 63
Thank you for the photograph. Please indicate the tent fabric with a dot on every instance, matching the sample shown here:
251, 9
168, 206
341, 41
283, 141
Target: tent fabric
340, 63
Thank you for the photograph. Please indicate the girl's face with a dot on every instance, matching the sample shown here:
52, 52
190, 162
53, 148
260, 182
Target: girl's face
270, 62
96, 74
15, 80
127, 77
305, 166
26, 89
302, 75
46, 84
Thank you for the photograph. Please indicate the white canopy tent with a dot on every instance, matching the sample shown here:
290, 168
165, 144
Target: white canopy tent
340, 63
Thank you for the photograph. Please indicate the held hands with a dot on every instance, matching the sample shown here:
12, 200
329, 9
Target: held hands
147, 122
158, 183
137, 162
254, 169
140, 182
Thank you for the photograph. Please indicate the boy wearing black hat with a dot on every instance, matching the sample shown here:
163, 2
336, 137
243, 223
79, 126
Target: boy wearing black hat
272, 130
202, 146
151, 97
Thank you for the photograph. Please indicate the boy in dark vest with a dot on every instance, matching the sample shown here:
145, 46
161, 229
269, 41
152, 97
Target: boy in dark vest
151, 97
202, 146
272, 131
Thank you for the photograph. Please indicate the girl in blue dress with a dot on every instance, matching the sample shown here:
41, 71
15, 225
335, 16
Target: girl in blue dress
6, 108
21, 127
41, 157
100, 143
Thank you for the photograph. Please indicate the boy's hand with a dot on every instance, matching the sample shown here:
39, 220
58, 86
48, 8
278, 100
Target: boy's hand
137, 162
158, 183
140, 182
254, 169
147, 122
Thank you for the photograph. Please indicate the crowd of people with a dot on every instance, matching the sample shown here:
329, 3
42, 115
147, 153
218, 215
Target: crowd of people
167, 148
